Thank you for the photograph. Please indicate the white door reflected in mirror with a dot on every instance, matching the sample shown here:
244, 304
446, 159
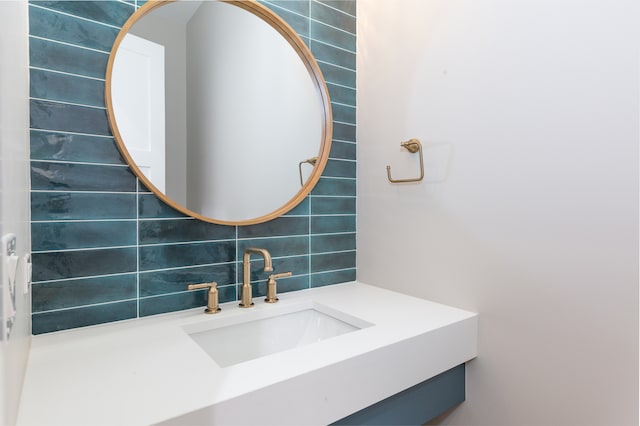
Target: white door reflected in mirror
243, 109
138, 104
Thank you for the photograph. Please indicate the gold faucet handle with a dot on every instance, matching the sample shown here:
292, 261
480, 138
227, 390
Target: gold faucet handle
280, 275
212, 300
271, 286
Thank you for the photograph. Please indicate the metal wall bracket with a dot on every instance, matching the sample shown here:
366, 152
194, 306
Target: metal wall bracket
412, 146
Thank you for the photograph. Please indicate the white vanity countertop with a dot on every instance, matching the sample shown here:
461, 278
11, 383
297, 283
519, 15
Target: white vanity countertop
146, 371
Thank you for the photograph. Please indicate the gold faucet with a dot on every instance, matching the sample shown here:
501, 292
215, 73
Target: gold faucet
247, 301
271, 286
212, 301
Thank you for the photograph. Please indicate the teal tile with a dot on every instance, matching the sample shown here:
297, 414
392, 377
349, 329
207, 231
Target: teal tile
81, 177
65, 58
54, 86
333, 261
83, 263
287, 246
47, 322
341, 94
177, 280
48, 24
333, 224
299, 23
338, 75
77, 235
343, 150
344, 132
177, 255
281, 226
78, 206
152, 207
333, 242
331, 35
334, 186
332, 277
346, 6
300, 209
182, 230
333, 55
55, 116
298, 265
344, 113
333, 17
111, 12
340, 168
333, 205
300, 7
56, 146
188, 300
85, 291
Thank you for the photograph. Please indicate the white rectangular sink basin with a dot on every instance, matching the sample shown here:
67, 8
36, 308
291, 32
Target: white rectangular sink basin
229, 344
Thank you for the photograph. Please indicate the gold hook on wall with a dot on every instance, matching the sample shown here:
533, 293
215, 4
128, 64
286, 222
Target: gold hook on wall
311, 161
412, 146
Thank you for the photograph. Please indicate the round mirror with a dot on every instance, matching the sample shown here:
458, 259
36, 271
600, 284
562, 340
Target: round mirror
219, 108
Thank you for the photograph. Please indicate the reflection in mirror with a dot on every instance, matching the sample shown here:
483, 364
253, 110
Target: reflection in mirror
216, 108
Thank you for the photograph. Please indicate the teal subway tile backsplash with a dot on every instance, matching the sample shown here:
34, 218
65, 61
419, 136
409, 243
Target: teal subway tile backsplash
151, 207
181, 230
53, 25
105, 248
332, 277
113, 13
340, 168
294, 13
72, 293
85, 234
277, 227
48, 321
334, 17
58, 265
66, 88
179, 301
347, 6
341, 39
344, 132
333, 55
156, 283
59, 116
335, 187
343, 113
332, 224
333, 205
61, 57
299, 7
177, 255
56, 146
338, 75
81, 177
61, 206
343, 150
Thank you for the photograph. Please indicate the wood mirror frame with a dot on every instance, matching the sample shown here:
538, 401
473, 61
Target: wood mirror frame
318, 81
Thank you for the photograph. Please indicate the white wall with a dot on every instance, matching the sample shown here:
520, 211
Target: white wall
14, 190
529, 213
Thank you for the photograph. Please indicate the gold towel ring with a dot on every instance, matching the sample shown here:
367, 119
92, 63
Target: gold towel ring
311, 161
412, 146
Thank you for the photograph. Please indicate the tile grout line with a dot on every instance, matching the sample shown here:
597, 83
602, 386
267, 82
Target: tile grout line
137, 249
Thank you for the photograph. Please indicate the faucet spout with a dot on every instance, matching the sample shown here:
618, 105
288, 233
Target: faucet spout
247, 301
